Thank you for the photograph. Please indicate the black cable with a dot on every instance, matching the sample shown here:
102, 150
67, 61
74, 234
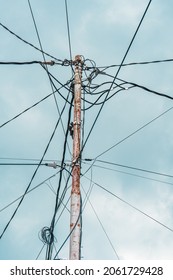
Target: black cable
150, 90
26, 42
129, 204
52, 76
142, 87
20, 63
33, 176
134, 36
68, 30
132, 64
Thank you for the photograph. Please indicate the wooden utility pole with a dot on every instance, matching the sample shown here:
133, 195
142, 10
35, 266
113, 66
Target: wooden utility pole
75, 224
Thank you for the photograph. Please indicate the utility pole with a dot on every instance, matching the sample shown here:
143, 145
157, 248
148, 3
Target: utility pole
75, 223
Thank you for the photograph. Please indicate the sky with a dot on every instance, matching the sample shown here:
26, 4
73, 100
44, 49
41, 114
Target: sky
129, 213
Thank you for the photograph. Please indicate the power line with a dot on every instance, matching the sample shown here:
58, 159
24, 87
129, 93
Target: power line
135, 168
129, 204
24, 111
139, 86
25, 62
127, 173
32, 189
133, 64
149, 90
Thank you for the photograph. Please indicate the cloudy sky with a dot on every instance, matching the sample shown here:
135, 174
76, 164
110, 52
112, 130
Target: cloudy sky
129, 213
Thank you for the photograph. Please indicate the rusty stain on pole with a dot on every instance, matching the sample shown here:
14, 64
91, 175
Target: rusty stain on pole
75, 225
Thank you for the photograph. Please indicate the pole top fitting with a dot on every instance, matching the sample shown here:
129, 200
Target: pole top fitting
78, 58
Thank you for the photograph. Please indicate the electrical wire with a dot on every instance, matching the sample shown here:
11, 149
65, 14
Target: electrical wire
130, 205
101, 224
149, 90
31, 45
127, 173
32, 189
135, 168
68, 30
133, 38
133, 133
46, 67
24, 111
132, 64
20, 63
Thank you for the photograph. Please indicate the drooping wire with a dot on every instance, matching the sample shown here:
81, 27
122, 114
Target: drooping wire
150, 90
143, 87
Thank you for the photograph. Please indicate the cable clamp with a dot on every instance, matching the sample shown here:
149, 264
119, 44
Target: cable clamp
75, 162
77, 123
54, 165
51, 63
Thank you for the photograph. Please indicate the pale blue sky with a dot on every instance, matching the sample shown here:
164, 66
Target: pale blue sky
100, 30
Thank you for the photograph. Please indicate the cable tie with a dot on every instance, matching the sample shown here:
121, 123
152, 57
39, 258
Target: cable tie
88, 159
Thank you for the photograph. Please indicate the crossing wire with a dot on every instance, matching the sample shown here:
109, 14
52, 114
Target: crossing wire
46, 67
119, 68
33, 176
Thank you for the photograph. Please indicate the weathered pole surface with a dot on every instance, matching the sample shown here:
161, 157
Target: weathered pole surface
75, 224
